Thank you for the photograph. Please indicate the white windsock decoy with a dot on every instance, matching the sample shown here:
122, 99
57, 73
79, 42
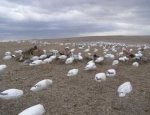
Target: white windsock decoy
7, 53
99, 60
41, 85
34, 110
35, 63
124, 89
115, 62
100, 77
90, 66
111, 73
47, 60
2, 67
63, 57
135, 64
11, 94
73, 72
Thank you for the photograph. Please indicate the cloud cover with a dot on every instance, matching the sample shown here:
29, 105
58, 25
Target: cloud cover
26, 19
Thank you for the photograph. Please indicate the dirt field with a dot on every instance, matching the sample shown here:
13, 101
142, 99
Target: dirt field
79, 95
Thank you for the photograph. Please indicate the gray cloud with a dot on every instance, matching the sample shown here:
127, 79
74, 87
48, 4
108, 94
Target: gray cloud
65, 18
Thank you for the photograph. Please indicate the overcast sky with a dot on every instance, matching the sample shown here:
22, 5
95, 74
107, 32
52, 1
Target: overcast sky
26, 19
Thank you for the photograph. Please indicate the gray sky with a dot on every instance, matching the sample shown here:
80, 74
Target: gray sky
26, 19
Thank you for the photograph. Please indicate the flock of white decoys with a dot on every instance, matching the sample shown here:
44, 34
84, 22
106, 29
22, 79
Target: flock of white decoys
110, 50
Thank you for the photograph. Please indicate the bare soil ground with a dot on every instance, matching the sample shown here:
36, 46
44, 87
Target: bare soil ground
79, 95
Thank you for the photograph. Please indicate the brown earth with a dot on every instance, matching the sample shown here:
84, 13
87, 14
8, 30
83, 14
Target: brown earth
79, 95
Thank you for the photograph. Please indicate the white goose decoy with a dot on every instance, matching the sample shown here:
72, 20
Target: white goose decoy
35, 63
100, 77
95, 50
90, 62
111, 73
87, 50
47, 60
41, 85
2, 67
8, 53
18, 52
131, 50
72, 50
11, 94
99, 60
7, 57
35, 58
63, 57
43, 56
27, 62
121, 59
80, 56
54, 56
124, 89
44, 52
115, 62
90, 66
73, 72
69, 60
135, 64
34, 110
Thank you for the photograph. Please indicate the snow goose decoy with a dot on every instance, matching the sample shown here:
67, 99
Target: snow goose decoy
111, 73
72, 50
43, 56
8, 53
99, 60
35, 63
80, 56
47, 60
11, 94
63, 57
27, 62
90, 66
8, 57
115, 62
34, 110
124, 89
69, 60
35, 58
73, 72
135, 64
2, 67
87, 50
18, 52
95, 50
41, 85
100, 77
